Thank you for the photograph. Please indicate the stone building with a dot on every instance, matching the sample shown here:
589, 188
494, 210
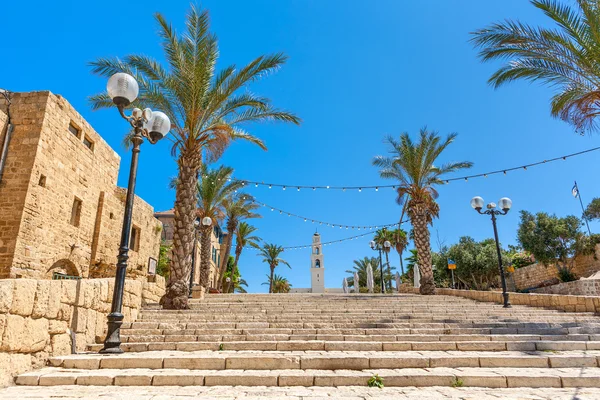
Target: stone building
60, 207
167, 217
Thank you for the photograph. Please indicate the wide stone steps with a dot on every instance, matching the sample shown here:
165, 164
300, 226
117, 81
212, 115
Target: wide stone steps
316, 345
413, 377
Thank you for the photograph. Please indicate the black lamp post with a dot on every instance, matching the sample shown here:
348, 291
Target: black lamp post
153, 126
196, 225
376, 247
504, 204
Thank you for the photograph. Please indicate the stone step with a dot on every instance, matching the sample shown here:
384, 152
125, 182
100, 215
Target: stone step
320, 345
327, 360
417, 377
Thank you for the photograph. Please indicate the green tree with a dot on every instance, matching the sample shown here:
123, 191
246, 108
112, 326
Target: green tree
279, 284
270, 253
412, 166
554, 240
164, 260
236, 283
208, 110
564, 56
244, 236
400, 242
360, 266
215, 187
237, 207
592, 211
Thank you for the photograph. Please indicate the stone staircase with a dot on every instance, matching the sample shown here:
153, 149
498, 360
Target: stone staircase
342, 340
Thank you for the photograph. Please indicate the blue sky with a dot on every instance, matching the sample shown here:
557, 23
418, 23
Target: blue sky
358, 71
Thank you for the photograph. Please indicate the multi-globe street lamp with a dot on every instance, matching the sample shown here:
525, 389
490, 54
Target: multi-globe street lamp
153, 126
504, 206
377, 247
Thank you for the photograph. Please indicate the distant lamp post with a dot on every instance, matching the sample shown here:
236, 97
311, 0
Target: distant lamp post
375, 246
387, 245
504, 206
153, 126
196, 225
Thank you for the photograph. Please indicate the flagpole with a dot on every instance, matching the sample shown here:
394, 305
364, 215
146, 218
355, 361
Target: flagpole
583, 209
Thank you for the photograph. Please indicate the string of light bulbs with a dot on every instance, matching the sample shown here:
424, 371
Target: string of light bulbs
504, 171
329, 224
306, 246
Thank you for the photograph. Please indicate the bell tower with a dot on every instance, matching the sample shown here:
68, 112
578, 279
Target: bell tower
317, 268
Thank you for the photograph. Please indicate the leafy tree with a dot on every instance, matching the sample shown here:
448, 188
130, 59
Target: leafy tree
214, 189
412, 166
237, 207
270, 253
208, 110
244, 237
279, 284
400, 242
554, 240
164, 259
360, 266
565, 56
592, 211
236, 282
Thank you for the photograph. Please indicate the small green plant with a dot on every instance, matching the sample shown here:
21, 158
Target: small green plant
375, 381
221, 347
457, 382
566, 275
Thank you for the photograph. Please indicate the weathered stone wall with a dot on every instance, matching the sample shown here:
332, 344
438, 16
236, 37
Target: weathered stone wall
537, 274
38, 318
551, 301
582, 287
48, 168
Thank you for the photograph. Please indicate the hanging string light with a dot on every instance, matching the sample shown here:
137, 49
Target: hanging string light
341, 226
465, 178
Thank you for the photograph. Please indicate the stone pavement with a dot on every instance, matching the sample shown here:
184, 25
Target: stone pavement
299, 393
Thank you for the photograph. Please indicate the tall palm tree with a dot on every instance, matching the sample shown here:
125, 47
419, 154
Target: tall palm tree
412, 165
381, 236
237, 207
566, 56
244, 237
280, 284
214, 188
400, 242
270, 253
207, 109
360, 266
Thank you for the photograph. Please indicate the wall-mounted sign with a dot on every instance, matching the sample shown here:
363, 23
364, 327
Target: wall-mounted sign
152, 263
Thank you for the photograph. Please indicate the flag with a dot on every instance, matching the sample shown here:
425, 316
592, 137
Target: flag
575, 190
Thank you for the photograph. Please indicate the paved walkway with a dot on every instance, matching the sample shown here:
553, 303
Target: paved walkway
291, 393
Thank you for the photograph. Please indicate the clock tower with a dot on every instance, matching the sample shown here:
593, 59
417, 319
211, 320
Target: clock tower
317, 268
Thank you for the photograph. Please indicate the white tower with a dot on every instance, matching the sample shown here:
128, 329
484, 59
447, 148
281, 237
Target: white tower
317, 268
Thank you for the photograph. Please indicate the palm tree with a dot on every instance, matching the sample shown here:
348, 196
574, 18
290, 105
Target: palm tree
381, 236
412, 165
207, 109
360, 266
280, 284
237, 207
565, 57
270, 253
400, 241
214, 188
244, 237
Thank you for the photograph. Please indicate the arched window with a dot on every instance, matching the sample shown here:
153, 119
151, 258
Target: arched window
318, 264
316, 250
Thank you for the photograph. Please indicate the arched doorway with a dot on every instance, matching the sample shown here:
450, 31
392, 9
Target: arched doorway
63, 267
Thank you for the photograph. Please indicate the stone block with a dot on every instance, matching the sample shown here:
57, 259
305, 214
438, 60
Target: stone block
61, 344
56, 327
13, 333
68, 292
42, 295
23, 297
204, 363
54, 298
6, 295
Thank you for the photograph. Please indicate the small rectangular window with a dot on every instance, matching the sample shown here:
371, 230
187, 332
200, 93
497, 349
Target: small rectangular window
134, 240
76, 212
42, 181
74, 130
88, 143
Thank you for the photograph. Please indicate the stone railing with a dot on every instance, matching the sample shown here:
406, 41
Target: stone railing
551, 301
44, 318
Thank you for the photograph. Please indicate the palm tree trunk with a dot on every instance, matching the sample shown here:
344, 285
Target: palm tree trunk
205, 255
422, 243
176, 296
271, 279
401, 263
238, 253
225, 254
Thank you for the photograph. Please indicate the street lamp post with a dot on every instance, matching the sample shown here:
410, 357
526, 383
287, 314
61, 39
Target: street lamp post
376, 247
386, 246
196, 225
153, 126
206, 223
504, 204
